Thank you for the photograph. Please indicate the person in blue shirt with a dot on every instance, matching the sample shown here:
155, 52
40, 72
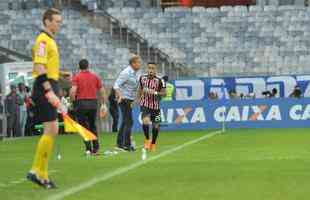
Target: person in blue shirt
126, 87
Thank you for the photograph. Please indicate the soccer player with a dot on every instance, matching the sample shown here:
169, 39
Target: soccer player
151, 89
45, 57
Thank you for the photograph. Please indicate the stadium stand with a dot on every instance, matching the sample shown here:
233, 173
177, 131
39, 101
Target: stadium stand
237, 40
230, 40
107, 45
77, 39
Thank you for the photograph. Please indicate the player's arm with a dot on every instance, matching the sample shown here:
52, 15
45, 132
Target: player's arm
162, 92
162, 89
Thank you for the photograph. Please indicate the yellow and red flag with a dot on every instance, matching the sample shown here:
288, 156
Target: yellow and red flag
72, 126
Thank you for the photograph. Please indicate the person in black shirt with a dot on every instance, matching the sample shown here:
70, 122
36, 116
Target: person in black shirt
113, 108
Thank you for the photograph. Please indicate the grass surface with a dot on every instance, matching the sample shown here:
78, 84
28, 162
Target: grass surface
256, 164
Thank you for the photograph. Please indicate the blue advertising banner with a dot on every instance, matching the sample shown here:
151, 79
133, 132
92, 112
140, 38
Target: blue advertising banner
255, 113
198, 89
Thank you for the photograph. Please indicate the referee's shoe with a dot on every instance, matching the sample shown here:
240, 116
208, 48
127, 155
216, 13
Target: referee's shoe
42, 183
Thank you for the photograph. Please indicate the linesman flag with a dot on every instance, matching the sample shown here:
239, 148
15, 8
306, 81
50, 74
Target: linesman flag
72, 126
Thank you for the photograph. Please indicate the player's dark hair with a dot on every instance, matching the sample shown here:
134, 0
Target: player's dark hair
151, 63
165, 78
83, 64
48, 14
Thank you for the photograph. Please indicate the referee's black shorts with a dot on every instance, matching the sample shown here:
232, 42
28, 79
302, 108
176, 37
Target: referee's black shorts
44, 111
153, 114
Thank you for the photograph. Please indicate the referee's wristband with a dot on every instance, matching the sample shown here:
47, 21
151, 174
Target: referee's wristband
42, 78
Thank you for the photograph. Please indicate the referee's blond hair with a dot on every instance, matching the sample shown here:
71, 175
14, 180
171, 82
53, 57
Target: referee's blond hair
49, 13
134, 58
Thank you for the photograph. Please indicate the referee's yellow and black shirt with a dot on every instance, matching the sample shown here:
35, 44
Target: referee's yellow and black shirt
45, 52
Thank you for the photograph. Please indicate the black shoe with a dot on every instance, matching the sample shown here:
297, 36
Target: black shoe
45, 184
121, 149
129, 149
33, 178
49, 185
95, 153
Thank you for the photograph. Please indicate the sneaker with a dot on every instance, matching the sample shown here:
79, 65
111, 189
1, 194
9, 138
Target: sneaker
147, 144
34, 178
129, 149
122, 149
49, 185
43, 183
88, 153
132, 149
95, 153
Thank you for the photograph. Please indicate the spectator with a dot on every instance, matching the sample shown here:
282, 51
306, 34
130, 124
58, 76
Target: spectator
274, 93
251, 95
31, 121
1, 115
233, 94
23, 109
12, 111
114, 110
169, 89
213, 96
296, 92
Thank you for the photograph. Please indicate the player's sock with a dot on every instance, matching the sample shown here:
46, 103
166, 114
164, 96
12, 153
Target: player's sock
43, 153
154, 134
146, 131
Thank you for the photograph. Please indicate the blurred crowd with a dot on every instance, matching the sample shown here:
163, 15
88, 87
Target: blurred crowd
296, 93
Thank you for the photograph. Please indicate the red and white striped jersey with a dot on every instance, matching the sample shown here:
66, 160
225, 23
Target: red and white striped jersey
151, 101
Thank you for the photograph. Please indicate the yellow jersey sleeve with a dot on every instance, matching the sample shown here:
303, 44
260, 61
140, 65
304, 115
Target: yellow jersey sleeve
45, 52
40, 52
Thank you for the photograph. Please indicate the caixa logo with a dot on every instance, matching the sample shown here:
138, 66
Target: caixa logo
199, 89
181, 115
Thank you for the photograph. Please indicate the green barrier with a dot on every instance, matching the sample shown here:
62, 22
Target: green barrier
40, 126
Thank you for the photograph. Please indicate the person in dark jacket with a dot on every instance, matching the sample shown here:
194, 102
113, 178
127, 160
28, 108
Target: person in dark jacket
12, 111
113, 110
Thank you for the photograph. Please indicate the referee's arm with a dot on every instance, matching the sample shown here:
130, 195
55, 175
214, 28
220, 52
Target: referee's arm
42, 79
41, 71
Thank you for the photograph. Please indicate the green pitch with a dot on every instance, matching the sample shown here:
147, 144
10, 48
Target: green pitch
256, 164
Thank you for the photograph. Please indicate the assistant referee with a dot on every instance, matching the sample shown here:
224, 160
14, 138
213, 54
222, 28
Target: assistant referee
46, 65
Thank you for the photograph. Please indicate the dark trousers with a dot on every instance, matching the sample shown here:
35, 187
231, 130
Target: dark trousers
13, 126
115, 116
87, 118
124, 134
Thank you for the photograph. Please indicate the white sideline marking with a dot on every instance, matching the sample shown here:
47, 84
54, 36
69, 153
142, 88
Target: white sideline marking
125, 169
